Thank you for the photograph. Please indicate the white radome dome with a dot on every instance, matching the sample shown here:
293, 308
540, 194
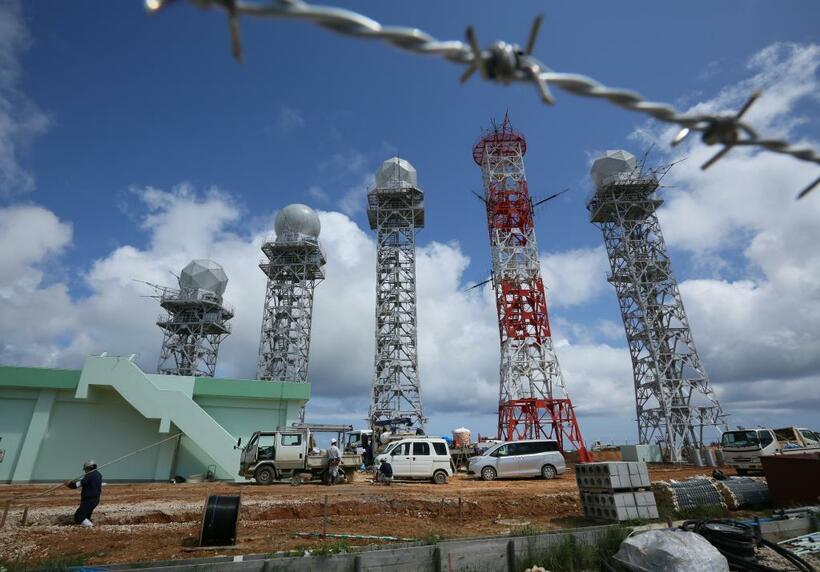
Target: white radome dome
204, 274
611, 164
396, 173
297, 219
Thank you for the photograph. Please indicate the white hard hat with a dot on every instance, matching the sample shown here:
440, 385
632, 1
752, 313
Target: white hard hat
333, 441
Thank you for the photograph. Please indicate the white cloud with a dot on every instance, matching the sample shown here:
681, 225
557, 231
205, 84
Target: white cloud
28, 235
458, 353
20, 120
354, 200
573, 277
289, 120
756, 322
458, 335
317, 193
757, 329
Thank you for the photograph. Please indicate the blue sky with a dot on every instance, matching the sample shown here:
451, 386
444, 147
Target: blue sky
128, 101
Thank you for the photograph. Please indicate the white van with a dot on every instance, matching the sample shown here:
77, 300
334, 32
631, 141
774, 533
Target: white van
419, 458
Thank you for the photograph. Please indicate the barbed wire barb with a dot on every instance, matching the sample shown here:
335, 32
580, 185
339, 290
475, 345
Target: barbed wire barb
507, 63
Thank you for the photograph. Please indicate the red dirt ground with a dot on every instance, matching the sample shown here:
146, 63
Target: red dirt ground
144, 522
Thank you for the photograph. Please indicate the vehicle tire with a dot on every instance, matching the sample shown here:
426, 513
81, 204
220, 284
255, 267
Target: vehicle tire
548, 472
440, 478
264, 475
742, 472
488, 474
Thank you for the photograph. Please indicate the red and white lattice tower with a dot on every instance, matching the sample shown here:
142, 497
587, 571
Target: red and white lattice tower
533, 402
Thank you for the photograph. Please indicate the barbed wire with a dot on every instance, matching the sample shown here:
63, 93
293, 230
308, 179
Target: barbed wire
507, 63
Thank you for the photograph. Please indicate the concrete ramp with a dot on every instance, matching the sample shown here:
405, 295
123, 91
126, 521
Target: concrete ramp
166, 398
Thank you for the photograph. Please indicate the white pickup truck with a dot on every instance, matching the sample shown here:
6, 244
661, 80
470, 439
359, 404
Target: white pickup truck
743, 448
292, 453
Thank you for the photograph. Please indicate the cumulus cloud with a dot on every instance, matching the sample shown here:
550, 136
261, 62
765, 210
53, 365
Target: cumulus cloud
574, 276
289, 120
116, 316
20, 119
36, 312
458, 341
756, 320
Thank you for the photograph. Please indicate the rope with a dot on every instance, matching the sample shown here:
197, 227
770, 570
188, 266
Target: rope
108, 464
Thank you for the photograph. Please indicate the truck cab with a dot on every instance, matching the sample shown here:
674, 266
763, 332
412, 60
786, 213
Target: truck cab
371, 442
292, 453
743, 448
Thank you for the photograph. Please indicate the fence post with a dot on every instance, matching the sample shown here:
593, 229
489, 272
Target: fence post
324, 520
5, 514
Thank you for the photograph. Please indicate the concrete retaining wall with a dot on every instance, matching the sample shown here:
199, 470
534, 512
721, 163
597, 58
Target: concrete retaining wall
476, 555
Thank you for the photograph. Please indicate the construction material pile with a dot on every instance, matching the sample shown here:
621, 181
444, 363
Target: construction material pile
696, 492
615, 491
691, 493
740, 492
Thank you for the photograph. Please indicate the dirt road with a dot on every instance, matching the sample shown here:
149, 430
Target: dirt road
139, 522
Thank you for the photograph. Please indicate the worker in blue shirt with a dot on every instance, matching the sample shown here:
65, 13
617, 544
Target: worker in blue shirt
91, 485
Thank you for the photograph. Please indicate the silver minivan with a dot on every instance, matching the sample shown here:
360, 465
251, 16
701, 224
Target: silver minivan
529, 458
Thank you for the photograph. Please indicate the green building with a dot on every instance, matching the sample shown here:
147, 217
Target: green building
52, 420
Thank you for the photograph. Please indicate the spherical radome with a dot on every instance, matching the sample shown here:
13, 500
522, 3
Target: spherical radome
396, 173
297, 219
612, 163
204, 274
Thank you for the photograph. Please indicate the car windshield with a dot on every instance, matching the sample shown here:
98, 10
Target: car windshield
810, 434
390, 448
740, 439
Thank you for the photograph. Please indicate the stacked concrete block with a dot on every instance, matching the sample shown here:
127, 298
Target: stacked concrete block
612, 476
616, 491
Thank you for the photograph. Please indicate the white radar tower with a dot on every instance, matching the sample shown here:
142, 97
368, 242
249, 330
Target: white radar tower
395, 209
673, 398
195, 320
293, 264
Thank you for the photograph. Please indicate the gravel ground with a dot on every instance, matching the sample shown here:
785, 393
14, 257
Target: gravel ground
143, 522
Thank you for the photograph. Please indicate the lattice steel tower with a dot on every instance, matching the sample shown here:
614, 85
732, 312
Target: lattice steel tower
195, 320
395, 209
673, 397
293, 264
532, 401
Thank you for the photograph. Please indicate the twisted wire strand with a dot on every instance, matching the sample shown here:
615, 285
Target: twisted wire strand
505, 63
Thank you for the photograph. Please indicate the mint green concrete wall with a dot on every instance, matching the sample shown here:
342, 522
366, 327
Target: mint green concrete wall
241, 418
102, 427
49, 427
16, 407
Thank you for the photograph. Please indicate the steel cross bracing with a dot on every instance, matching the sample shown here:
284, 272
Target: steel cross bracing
673, 398
507, 63
194, 325
533, 401
293, 266
395, 214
